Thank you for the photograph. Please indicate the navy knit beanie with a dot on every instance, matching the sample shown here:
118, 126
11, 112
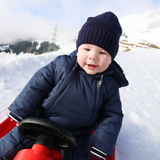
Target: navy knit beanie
103, 30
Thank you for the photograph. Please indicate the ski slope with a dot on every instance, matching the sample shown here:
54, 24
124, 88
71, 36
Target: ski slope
139, 138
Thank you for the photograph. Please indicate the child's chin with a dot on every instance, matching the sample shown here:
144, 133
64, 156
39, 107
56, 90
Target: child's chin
90, 72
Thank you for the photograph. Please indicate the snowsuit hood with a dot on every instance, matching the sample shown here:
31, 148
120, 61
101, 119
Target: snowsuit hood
114, 69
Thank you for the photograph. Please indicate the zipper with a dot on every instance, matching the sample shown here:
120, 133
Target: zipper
97, 99
100, 81
74, 66
61, 88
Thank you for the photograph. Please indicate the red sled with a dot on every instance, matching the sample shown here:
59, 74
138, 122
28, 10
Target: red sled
7, 125
46, 134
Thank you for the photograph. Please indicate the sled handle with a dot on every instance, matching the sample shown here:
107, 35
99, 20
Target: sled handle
52, 133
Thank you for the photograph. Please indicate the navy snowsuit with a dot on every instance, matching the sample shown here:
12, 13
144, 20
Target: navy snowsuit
88, 102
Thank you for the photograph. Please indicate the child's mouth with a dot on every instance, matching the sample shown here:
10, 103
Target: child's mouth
91, 66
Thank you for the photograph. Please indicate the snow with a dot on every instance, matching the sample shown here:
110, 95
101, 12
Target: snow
16, 70
139, 138
143, 26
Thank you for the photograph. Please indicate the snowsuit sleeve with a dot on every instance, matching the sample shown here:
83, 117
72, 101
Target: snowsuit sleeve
109, 122
34, 93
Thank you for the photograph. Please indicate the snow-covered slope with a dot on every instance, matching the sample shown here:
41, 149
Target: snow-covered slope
142, 23
142, 27
139, 137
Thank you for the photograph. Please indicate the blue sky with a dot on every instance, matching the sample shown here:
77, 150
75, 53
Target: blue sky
21, 19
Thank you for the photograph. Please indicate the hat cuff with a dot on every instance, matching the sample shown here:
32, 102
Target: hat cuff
99, 38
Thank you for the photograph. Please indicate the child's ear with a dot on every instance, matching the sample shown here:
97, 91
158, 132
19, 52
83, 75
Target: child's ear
111, 59
77, 54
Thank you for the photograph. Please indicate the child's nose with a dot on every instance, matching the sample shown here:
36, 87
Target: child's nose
93, 56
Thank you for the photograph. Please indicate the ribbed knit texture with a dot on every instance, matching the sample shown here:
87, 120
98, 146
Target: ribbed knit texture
103, 30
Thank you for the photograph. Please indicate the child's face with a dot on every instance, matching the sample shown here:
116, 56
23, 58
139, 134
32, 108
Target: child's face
93, 59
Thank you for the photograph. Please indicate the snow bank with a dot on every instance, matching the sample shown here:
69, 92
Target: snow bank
139, 138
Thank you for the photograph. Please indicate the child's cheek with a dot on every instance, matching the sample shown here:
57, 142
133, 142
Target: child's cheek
105, 65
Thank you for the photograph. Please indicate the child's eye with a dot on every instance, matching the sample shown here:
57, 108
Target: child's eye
102, 52
87, 49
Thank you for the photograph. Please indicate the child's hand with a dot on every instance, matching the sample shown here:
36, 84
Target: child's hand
17, 124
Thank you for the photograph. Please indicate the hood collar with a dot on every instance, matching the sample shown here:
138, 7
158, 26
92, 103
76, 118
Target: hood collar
114, 69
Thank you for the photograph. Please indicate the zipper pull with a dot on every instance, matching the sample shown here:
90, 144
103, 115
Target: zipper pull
74, 66
100, 81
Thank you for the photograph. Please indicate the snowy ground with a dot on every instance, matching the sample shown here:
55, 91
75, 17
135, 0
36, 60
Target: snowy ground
139, 138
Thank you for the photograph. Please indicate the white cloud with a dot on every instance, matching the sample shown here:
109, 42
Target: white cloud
17, 23
37, 18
